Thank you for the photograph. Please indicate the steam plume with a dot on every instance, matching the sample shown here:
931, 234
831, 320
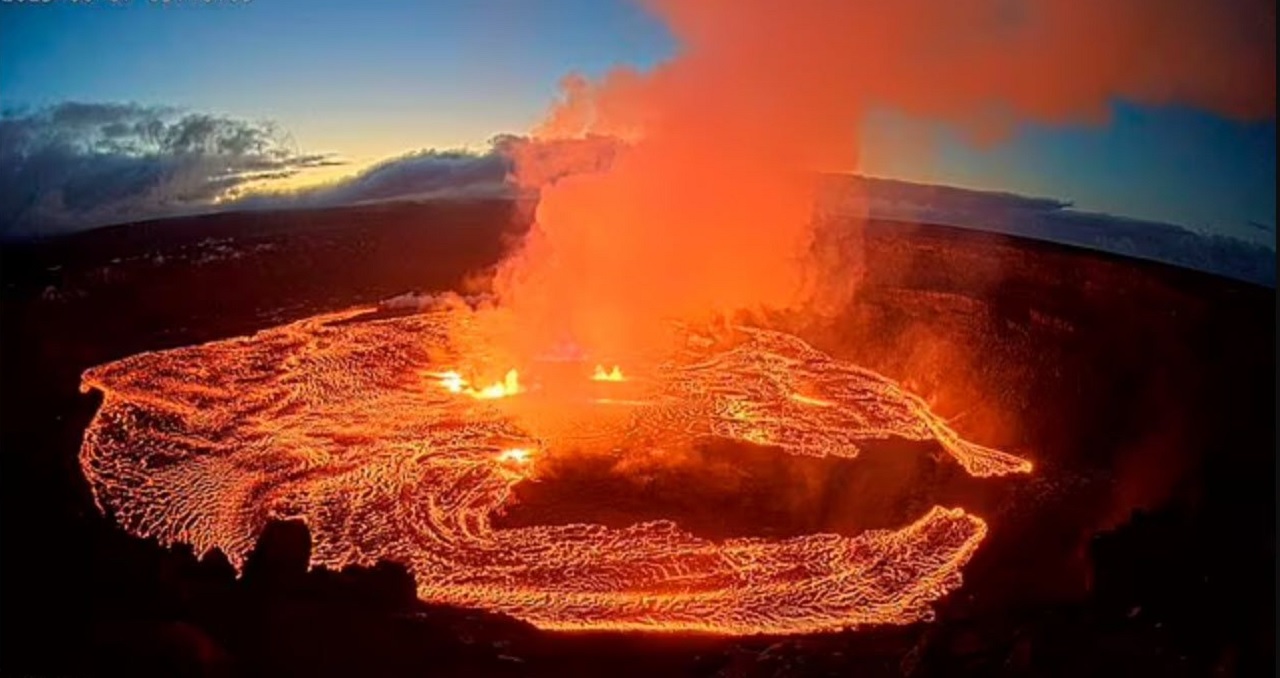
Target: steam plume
708, 207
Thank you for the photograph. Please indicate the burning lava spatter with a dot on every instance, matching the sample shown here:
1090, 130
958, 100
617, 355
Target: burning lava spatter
358, 429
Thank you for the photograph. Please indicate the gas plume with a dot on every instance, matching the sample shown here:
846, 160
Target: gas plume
707, 208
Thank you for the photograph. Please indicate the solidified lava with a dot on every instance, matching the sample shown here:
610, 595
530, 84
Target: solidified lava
368, 431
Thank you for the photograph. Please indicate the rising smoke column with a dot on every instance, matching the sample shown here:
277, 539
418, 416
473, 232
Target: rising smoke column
708, 208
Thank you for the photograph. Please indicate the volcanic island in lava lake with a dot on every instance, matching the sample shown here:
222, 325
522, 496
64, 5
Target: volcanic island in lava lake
381, 434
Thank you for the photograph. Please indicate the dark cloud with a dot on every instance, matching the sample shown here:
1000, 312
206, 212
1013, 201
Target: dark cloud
432, 174
79, 165
421, 175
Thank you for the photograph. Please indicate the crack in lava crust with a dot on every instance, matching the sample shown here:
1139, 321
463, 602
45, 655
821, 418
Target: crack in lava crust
330, 420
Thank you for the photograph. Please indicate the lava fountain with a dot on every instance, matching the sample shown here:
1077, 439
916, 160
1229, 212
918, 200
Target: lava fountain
356, 427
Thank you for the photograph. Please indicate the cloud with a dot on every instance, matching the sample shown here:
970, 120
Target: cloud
421, 175
78, 165
430, 174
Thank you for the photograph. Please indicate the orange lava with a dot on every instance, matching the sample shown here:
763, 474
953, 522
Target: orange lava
454, 383
330, 421
612, 375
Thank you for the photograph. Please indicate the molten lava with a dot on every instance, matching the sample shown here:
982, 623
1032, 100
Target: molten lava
454, 383
328, 420
612, 375
516, 455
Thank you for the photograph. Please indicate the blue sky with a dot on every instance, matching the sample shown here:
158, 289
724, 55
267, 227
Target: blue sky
369, 80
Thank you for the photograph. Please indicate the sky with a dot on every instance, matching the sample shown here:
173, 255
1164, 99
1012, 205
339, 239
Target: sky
372, 80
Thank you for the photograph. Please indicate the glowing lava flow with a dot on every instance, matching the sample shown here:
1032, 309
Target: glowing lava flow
509, 386
330, 422
612, 375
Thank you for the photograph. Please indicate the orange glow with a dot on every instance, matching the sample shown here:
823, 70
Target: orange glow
516, 455
622, 401
454, 383
806, 400
201, 444
509, 386
612, 375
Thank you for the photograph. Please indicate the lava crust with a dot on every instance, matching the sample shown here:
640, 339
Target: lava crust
344, 422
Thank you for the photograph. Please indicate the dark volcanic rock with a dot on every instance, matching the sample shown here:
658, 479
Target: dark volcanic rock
281, 557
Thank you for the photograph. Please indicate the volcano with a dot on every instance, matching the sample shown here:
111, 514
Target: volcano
1141, 540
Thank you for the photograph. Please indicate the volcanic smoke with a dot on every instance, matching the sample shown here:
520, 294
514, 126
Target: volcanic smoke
708, 208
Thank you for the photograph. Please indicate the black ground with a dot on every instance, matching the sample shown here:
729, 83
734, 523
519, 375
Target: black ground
1144, 544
